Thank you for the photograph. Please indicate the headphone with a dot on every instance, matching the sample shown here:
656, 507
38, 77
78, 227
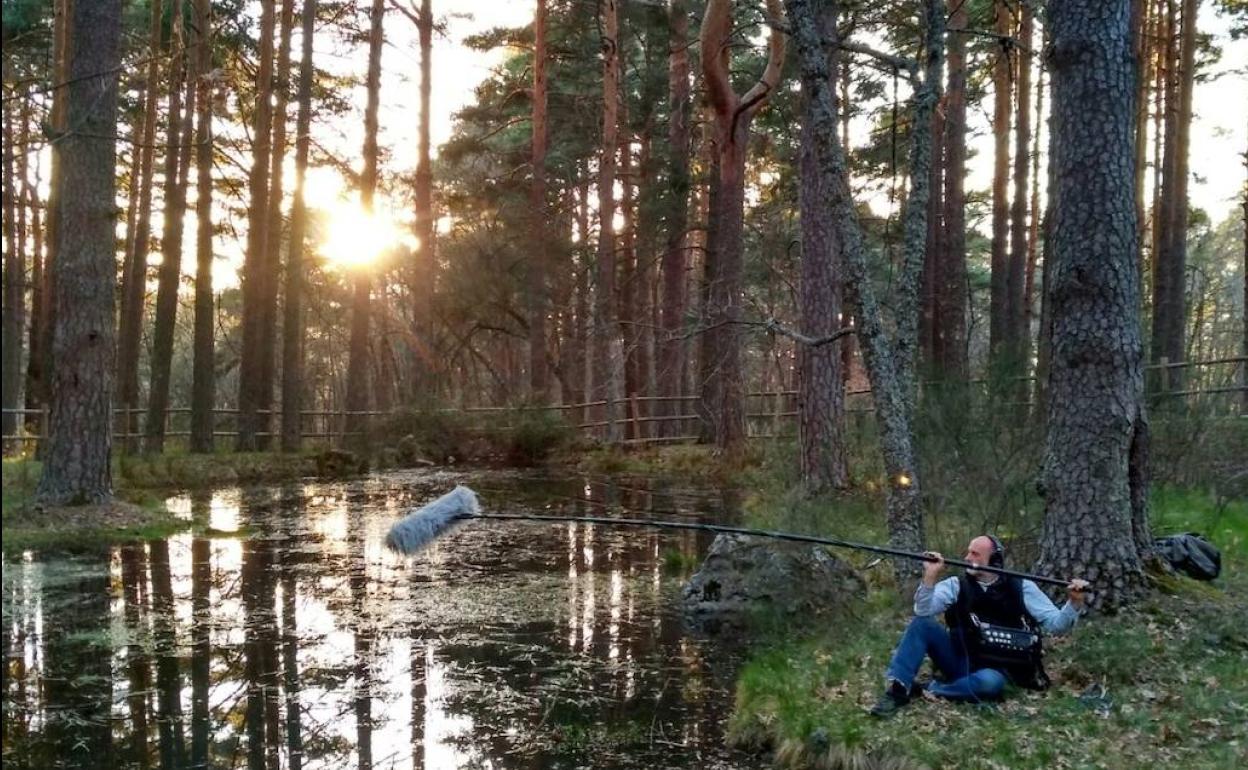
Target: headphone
997, 559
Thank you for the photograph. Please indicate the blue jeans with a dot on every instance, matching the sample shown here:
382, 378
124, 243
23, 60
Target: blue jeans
925, 637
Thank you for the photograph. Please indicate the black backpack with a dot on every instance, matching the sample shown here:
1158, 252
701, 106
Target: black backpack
1191, 554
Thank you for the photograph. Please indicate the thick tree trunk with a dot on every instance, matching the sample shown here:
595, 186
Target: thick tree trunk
170, 271
76, 467
357, 362
1096, 379
674, 264
952, 326
821, 391
1000, 309
250, 396
273, 229
602, 367
292, 308
893, 406
538, 368
203, 370
1175, 259
723, 387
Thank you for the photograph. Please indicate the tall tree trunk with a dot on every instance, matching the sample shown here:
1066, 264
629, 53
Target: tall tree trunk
292, 308
1033, 227
538, 368
34, 357
1164, 307
894, 405
674, 266
1017, 294
1243, 367
1000, 309
821, 390
203, 371
250, 394
76, 467
952, 326
629, 280
933, 262
14, 315
273, 230
357, 363
424, 271
170, 271
723, 389
134, 281
602, 368
1140, 21
62, 55
1096, 377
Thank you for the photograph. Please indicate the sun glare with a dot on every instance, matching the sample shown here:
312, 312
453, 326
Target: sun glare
355, 237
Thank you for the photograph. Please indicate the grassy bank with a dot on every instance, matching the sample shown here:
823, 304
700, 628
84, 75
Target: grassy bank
1163, 683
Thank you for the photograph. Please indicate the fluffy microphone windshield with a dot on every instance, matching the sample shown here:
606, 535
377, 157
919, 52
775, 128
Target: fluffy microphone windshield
424, 525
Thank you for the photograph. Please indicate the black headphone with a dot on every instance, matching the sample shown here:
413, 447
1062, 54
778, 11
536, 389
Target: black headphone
997, 559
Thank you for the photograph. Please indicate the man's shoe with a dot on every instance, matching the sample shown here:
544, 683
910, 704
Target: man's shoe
896, 696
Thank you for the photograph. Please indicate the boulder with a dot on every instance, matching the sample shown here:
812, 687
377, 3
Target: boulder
743, 576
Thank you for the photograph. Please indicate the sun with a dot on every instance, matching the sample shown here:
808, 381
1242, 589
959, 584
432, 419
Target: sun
355, 237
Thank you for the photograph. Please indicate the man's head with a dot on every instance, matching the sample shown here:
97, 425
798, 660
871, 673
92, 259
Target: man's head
984, 550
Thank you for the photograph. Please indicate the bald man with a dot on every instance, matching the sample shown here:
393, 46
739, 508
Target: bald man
978, 595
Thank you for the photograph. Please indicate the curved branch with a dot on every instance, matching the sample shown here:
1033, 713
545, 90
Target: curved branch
757, 95
714, 38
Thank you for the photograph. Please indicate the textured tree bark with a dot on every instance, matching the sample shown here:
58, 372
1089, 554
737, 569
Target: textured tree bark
675, 262
250, 395
273, 229
170, 271
952, 326
357, 362
893, 407
539, 370
1175, 259
821, 391
292, 307
76, 467
602, 370
723, 387
933, 262
1095, 420
1000, 309
134, 279
203, 369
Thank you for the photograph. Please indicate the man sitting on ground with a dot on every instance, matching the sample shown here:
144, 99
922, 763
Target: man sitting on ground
969, 601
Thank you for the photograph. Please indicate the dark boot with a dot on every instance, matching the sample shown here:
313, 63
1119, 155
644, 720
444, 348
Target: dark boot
896, 696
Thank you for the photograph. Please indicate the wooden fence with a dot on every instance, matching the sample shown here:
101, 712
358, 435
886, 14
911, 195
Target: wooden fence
768, 414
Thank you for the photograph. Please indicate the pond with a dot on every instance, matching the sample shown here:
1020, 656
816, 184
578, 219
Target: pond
287, 636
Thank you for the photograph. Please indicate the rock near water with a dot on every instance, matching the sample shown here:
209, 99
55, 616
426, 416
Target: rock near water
743, 576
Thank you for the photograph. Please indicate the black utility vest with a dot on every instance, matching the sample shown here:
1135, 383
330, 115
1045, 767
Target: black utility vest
1000, 603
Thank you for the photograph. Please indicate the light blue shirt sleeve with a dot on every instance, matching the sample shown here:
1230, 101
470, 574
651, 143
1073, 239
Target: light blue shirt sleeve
1051, 619
936, 599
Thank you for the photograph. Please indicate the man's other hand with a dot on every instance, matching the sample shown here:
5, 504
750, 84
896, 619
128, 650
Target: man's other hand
1078, 592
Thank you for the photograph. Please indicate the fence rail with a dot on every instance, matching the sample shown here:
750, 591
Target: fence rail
633, 422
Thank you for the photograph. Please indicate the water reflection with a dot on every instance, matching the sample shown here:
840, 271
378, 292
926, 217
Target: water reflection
286, 637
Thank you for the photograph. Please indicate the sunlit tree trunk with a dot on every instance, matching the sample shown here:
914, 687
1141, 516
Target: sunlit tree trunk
250, 394
671, 345
602, 367
538, 368
170, 271
723, 389
31, 397
357, 363
292, 308
1000, 310
1095, 423
1017, 295
14, 316
424, 272
203, 374
273, 229
76, 467
952, 325
1033, 228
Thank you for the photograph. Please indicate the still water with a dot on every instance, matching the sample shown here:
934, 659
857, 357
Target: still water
286, 636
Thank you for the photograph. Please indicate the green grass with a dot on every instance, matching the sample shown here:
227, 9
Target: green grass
1175, 670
